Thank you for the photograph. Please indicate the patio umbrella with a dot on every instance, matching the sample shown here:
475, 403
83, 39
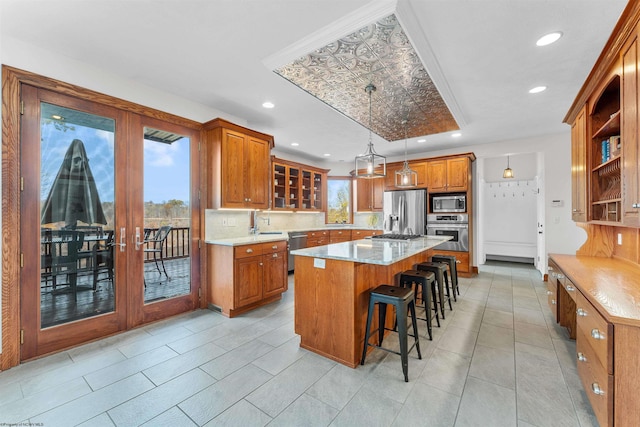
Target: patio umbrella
74, 195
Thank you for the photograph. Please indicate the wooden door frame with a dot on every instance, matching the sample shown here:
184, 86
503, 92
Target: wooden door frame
12, 79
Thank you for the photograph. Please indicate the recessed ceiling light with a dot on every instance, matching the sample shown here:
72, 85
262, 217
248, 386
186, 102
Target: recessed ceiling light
294, 144
421, 141
268, 104
456, 135
538, 89
549, 38
326, 154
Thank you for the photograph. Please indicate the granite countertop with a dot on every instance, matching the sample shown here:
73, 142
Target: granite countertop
247, 240
370, 251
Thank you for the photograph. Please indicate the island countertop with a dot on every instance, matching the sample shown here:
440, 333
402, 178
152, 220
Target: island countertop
373, 251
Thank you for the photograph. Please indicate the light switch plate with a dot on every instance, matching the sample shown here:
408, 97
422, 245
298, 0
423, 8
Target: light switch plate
319, 263
620, 239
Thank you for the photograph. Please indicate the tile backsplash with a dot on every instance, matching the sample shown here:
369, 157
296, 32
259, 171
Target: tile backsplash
224, 224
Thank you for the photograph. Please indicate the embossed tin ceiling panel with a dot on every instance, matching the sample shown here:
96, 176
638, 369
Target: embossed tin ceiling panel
380, 53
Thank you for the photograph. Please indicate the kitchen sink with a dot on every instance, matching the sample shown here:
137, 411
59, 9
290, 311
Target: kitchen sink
270, 232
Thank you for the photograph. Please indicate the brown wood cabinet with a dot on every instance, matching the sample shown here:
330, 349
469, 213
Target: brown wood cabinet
629, 131
241, 278
238, 166
579, 168
317, 238
337, 236
297, 186
598, 297
462, 260
369, 194
419, 166
361, 234
448, 175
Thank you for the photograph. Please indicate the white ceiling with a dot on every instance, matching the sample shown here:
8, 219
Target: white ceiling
481, 55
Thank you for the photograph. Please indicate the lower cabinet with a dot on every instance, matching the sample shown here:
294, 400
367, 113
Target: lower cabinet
244, 277
462, 260
317, 238
337, 236
361, 234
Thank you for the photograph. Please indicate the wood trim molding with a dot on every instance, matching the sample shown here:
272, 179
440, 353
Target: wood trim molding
222, 123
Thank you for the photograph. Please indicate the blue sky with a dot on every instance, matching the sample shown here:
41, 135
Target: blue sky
166, 171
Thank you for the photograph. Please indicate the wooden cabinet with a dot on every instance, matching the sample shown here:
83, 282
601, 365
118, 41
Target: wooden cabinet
241, 278
369, 194
298, 187
361, 234
238, 166
552, 288
579, 168
337, 236
630, 120
462, 260
317, 238
447, 175
420, 167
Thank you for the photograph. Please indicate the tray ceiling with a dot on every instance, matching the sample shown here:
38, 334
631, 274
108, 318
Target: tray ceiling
381, 54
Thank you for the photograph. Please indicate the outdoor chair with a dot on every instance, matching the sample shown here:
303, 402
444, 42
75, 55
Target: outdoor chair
156, 245
102, 258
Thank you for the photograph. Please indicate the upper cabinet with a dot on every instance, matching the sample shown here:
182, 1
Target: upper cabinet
579, 168
238, 166
298, 187
419, 166
369, 194
630, 118
448, 175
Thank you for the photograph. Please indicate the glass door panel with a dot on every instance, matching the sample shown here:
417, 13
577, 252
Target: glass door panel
77, 215
167, 215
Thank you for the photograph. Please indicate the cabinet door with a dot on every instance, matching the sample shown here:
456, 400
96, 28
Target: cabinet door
421, 169
629, 134
579, 168
232, 173
319, 185
437, 175
364, 201
457, 174
257, 169
275, 274
377, 190
248, 281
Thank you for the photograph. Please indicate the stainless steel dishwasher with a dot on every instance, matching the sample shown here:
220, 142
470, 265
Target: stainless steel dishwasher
297, 240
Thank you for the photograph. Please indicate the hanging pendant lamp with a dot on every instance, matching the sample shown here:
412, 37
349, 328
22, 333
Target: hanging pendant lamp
508, 172
370, 164
406, 177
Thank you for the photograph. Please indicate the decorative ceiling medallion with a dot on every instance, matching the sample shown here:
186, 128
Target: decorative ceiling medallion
381, 54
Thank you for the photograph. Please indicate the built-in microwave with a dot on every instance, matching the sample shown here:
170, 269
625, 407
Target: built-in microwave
449, 203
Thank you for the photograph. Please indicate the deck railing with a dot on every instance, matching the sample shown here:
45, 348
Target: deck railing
176, 245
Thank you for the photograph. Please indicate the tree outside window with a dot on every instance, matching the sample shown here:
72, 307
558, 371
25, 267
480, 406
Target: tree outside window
339, 200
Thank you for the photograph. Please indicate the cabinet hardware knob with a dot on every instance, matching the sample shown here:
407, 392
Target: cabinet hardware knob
581, 357
560, 276
549, 293
570, 288
275, 255
550, 268
581, 312
595, 333
274, 247
553, 302
260, 264
596, 389
249, 250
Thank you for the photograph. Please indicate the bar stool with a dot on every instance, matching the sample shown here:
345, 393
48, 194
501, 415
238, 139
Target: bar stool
427, 281
403, 300
453, 271
440, 271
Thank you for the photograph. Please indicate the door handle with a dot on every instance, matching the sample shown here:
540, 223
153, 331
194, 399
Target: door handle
123, 238
138, 242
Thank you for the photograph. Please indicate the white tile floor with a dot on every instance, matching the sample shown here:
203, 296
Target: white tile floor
498, 359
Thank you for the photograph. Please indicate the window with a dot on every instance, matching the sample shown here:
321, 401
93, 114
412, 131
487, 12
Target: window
339, 200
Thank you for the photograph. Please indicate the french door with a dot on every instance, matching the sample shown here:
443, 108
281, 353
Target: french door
107, 241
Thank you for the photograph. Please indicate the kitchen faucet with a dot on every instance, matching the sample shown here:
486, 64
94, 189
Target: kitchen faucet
253, 226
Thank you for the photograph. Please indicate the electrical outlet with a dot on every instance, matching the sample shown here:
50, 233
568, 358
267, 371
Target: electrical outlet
225, 222
620, 239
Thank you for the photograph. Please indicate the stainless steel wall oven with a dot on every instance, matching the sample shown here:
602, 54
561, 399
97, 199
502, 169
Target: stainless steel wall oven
454, 225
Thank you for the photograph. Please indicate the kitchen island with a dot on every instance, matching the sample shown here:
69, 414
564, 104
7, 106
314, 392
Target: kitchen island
332, 286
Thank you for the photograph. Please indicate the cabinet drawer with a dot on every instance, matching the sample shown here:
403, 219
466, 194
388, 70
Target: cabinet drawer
570, 288
552, 297
598, 384
271, 247
316, 234
597, 332
247, 250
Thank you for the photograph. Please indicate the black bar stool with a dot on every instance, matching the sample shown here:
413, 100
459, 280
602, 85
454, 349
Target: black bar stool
442, 279
453, 271
427, 281
403, 300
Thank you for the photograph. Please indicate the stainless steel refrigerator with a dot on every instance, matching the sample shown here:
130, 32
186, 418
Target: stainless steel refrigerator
405, 212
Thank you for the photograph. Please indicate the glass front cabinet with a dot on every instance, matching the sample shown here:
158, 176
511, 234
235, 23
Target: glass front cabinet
297, 186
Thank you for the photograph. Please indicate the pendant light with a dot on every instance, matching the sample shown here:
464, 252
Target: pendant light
406, 177
508, 172
370, 164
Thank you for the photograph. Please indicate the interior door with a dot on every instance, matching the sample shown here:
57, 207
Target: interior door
72, 277
164, 219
